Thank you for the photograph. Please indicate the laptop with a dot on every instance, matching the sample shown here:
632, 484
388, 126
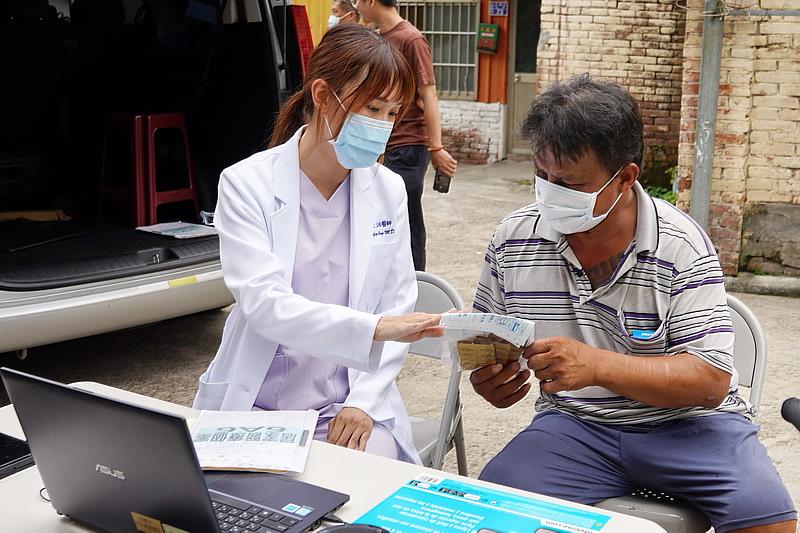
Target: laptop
115, 466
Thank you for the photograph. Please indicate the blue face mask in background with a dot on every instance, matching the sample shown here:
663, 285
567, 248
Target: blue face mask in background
361, 140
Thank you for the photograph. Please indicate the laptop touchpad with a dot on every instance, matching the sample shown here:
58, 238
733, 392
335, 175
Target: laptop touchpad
263, 489
273, 490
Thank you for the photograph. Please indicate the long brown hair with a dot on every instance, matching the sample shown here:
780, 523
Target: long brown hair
348, 53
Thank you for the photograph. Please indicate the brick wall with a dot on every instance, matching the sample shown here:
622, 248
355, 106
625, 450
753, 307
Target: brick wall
473, 132
757, 150
636, 43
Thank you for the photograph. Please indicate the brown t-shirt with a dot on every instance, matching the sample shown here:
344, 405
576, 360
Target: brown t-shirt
415, 48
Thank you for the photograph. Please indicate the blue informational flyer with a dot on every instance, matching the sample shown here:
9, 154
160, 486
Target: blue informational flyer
430, 504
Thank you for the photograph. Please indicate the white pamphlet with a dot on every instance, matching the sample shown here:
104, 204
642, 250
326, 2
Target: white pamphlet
179, 230
517, 331
259, 441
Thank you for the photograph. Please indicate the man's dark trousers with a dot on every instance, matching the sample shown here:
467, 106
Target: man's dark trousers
411, 162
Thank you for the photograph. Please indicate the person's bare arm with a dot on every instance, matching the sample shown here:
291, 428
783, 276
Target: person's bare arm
680, 380
440, 159
410, 327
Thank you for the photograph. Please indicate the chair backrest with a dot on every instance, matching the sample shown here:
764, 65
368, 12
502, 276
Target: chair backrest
749, 350
435, 295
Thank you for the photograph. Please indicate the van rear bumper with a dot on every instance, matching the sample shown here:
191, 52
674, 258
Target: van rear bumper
30, 320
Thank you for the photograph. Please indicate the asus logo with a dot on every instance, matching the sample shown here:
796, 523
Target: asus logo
119, 474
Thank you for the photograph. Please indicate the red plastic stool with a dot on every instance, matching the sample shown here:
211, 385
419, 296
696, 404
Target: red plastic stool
167, 189
129, 189
145, 185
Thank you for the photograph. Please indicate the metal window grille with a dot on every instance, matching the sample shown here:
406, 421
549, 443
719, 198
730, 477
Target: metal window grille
450, 27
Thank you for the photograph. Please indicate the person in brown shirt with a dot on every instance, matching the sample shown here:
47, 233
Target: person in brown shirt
417, 137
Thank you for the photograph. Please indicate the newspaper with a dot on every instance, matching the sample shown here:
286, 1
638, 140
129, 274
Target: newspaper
258, 441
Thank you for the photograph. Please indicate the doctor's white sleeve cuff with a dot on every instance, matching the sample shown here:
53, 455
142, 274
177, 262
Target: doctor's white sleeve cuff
363, 335
380, 414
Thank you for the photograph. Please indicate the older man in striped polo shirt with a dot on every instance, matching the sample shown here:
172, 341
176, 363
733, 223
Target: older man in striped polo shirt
634, 339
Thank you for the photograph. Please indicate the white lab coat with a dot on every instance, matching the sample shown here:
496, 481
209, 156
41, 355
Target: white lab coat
257, 216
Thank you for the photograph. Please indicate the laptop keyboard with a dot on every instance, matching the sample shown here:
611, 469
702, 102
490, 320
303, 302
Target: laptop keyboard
236, 516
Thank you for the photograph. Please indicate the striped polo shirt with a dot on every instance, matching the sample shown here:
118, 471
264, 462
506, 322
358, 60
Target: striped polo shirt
666, 297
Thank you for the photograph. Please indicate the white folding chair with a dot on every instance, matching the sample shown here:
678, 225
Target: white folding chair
750, 360
749, 350
434, 438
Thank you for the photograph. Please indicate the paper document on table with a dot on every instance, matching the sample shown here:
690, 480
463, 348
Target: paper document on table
259, 441
431, 503
517, 331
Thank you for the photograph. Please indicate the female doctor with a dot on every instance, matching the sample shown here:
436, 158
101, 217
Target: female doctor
315, 247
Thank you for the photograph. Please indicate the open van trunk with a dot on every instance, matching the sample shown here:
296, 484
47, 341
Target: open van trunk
62, 77
97, 254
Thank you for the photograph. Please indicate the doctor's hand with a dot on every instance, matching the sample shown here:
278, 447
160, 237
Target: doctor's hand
562, 364
408, 328
351, 428
501, 385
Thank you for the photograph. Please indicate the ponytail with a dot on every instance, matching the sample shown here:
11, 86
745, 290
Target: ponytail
295, 112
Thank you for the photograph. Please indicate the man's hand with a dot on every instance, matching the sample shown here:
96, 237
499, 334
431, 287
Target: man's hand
444, 162
501, 385
351, 428
561, 363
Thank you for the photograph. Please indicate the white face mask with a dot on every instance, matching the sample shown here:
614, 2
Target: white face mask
333, 20
569, 211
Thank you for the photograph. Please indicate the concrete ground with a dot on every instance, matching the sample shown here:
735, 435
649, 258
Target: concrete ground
164, 360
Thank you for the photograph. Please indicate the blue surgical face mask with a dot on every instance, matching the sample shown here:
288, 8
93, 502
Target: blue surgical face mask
361, 140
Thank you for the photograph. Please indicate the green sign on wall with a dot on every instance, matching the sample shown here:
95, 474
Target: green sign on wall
487, 37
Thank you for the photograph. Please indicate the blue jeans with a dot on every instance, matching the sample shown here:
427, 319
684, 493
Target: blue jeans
713, 462
411, 162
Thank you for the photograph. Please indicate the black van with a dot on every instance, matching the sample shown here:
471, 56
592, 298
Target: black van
76, 76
